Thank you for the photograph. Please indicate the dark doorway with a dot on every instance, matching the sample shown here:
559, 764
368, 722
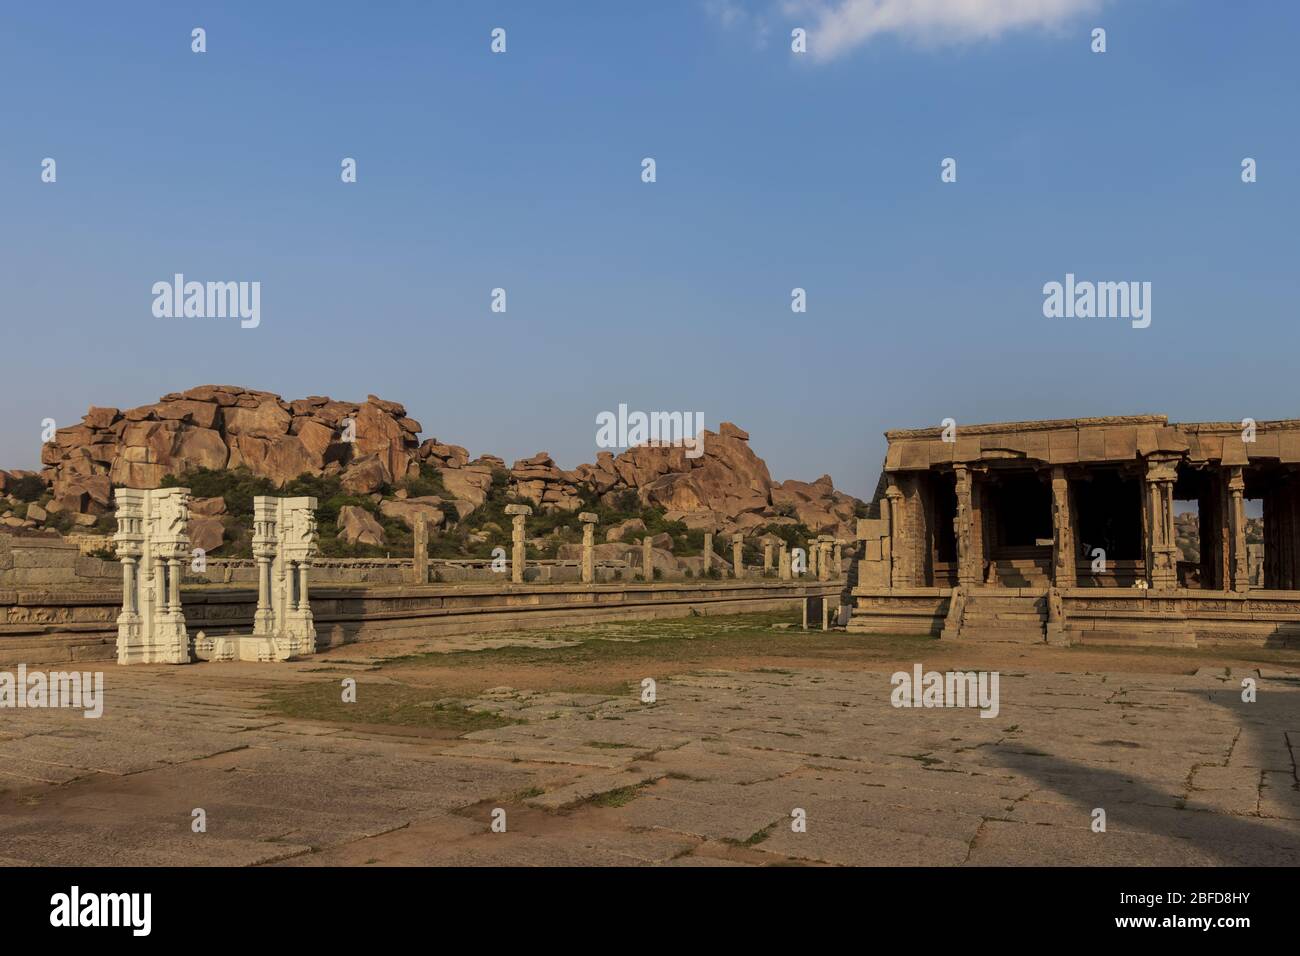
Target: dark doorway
1108, 515
1022, 510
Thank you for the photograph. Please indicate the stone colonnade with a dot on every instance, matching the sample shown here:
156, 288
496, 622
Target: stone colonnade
898, 542
825, 555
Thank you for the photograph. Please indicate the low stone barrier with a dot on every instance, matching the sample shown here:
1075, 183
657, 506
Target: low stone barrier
51, 625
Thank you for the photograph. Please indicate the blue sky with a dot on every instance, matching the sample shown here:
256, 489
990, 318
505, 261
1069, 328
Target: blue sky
775, 170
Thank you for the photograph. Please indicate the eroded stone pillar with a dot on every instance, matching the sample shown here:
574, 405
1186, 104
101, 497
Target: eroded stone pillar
738, 555
968, 572
783, 562
1162, 548
1237, 528
767, 556
519, 552
1063, 561
812, 549
647, 559
838, 558
588, 520
708, 551
420, 557
823, 558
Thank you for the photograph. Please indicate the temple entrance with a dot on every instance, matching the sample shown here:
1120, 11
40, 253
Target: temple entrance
1108, 528
1018, 528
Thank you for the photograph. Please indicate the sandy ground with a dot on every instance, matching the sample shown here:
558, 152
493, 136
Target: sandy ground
753, 731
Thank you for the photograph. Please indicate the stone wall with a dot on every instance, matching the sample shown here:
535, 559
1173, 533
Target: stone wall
49, 560
55, 624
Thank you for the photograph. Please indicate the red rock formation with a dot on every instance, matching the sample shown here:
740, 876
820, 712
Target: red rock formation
727, 488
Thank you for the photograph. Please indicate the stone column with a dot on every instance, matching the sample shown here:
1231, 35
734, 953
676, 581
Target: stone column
968, 572
811, 548
647, 559
783, 562
838, 558
1237, 528
738, 555
173, 586
708, 551
128, 585
420, 558
304, 602
518, 555
892, 503
588, 546
1162, 549
1063, 561
767, 556
823, 558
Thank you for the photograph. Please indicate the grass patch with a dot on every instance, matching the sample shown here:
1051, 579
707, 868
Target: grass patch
616, 798
679, 641
397, 704
754, 839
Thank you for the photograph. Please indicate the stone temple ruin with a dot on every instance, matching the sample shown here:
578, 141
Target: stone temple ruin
1064, 530
152, 542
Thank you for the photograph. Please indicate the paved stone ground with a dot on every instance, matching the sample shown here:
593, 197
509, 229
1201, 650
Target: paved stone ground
1187, 773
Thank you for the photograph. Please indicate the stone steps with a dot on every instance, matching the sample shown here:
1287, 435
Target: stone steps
1012, 618
1006, 635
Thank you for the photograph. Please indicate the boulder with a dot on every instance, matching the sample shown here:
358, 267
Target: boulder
467, 484
365, 476
619, 531
411, 511
206, 532
358, 526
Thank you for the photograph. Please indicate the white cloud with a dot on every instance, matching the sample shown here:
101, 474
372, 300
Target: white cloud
837, 26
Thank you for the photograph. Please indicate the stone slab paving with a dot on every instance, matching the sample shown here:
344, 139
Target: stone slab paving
709, 774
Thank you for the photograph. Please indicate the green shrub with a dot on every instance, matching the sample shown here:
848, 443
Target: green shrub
28, 488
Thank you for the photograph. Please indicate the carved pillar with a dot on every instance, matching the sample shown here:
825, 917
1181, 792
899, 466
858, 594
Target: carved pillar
738, 555
420, 552
767, 556
128, 586
1162, 548
588, 546
173, 585
823, 558
519, 553
838, 558
811, 548
968, 565
304, 602
1237, 528
1063, 560
783, 562
708, 551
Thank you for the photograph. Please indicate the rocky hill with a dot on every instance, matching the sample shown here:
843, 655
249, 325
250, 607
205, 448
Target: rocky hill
372, 452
